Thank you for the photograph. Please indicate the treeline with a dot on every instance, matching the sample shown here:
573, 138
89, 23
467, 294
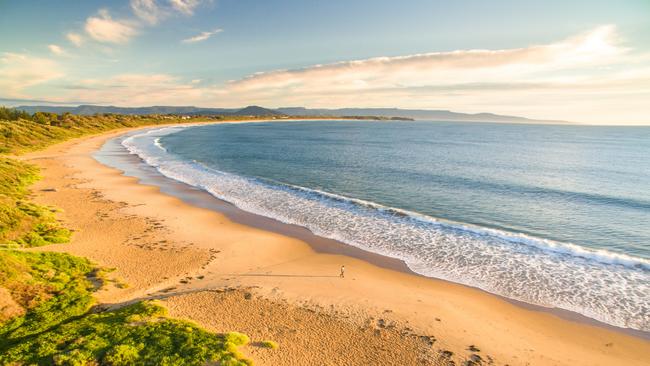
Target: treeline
68, 119
12, 114
46, 118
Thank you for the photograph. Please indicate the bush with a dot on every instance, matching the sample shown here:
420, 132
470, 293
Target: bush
122, 355
269, 344
237, 338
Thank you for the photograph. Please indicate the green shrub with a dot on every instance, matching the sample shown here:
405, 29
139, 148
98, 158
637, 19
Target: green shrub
122, 355
269, 344
237, 338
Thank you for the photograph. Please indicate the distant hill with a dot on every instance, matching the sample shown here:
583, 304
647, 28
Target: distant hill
254, 110
417, 114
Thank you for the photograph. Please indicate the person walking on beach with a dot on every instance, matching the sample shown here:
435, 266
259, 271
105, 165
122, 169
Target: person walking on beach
342, 274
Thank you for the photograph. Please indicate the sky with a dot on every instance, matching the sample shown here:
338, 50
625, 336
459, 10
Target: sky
581, 60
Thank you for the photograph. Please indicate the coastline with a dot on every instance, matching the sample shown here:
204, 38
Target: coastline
286, 268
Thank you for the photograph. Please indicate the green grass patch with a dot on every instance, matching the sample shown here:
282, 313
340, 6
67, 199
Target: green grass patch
56, 289
138, 334
24, 135
23, 223
50, 287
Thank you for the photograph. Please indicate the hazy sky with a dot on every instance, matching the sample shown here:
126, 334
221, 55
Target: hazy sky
586, 61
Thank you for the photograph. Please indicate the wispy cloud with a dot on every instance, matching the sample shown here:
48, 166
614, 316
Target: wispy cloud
445, 68
185, 6
19, 72
138, 89
149, 11
571, 79
74, 38
57, 50
103, 28
202, 36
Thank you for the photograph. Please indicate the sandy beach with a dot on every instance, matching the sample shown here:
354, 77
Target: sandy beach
229, 276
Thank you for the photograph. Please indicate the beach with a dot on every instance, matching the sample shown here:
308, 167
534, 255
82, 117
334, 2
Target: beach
228, 275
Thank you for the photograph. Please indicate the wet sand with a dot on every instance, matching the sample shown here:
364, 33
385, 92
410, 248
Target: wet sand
278, 283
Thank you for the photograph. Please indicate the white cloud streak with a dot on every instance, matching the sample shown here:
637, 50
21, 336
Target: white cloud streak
445, 68
19, 72
185, 6
105, 29
149, 11
74, 38
57, 50
202, 36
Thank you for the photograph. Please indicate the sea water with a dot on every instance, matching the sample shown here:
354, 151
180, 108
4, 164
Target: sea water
552, 215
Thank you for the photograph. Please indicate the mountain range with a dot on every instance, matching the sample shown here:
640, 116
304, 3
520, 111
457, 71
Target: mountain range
417, 114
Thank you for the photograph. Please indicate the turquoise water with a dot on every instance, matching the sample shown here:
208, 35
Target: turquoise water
556, 216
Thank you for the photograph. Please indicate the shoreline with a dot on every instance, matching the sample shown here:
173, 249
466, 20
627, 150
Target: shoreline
133, 166
500, 323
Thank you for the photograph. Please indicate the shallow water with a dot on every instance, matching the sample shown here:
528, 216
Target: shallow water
556, 216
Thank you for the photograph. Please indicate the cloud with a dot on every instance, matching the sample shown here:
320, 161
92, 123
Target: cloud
442, 68
57, 50
148, 11
104, 29
590, 77
75, 38
138, 89
202, 36
584, 78
185, 6
19, 72
153, 11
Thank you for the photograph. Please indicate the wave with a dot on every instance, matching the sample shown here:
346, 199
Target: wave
600, 255
603, 285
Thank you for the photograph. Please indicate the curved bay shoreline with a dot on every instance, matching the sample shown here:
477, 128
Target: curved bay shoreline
233, 249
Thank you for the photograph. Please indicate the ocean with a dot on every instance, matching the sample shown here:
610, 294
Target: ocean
551, 215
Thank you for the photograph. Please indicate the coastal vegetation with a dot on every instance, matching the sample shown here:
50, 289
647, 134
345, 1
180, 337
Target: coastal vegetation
52, 321
24, 223
269, 344
21, 132
46, 299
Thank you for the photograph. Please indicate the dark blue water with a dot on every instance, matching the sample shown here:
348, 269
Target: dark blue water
552, 215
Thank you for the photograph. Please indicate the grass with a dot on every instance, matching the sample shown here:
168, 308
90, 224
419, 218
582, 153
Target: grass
58, 328
24, 223
139, 334
50, 287
21, 136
